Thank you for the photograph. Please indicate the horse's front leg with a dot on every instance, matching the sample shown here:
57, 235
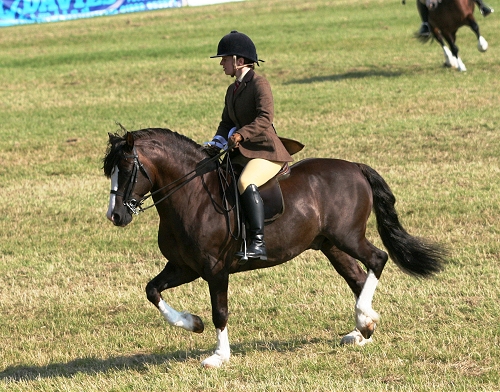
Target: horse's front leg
218, 296
173, 276
482, 44
450, 60
451, 38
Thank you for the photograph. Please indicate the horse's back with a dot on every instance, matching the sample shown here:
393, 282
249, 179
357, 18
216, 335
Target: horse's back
325, 199
326, 180
450, 15
327, 168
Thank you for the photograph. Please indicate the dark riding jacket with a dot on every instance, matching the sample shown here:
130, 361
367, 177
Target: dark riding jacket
251, 109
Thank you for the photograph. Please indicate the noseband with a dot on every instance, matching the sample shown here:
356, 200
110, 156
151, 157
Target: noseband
134, 205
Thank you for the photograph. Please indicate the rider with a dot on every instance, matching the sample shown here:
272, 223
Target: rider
425, 30
247, 124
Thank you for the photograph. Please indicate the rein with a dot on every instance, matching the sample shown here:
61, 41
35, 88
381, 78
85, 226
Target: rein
135, 206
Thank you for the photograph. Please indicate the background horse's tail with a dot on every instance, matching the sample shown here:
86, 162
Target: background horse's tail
413, 255
423, 38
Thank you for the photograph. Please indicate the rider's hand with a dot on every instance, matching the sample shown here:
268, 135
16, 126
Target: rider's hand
235, 140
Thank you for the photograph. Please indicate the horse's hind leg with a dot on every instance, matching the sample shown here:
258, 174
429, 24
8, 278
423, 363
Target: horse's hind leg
173, 276
363, 286
482, 44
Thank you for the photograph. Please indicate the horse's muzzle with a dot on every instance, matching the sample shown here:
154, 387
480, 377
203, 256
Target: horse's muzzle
120, 218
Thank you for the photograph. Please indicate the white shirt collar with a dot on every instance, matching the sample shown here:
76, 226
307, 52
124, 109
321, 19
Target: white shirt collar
243, 73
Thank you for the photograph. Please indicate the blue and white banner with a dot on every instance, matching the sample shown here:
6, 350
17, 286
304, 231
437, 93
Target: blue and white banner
16, 12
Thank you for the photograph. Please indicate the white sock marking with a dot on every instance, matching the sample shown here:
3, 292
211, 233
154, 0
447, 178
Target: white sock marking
222, 351
364, 310
175, 318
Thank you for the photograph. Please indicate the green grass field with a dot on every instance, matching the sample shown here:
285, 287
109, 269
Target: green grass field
350, 82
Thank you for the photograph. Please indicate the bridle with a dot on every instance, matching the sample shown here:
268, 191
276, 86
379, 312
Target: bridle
134, 205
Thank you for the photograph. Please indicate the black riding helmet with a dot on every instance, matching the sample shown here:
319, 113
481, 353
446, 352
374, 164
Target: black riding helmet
237, 44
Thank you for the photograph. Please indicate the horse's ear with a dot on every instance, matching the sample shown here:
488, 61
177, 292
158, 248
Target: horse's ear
112, 138
130, 139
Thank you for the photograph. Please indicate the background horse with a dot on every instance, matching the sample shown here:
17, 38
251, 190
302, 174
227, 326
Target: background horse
327, 205
445, 18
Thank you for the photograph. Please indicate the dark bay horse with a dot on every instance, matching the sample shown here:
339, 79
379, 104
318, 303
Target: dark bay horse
445, 18
327, 205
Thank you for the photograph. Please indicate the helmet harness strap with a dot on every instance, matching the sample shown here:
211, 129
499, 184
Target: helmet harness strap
237, 67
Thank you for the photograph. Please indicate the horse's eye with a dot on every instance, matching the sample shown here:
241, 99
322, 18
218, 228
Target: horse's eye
125, 173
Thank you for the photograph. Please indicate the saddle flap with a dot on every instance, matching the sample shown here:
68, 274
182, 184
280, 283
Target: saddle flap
271, 194
272, 197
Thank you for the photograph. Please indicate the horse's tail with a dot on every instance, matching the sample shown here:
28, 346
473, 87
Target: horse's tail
413, 255
423, 38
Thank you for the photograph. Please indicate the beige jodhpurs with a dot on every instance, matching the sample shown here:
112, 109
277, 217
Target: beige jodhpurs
257, 171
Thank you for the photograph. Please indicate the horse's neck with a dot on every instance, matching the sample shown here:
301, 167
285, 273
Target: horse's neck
183, 178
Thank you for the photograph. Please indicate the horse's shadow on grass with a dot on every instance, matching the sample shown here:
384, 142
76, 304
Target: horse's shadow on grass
141, 362
354, 74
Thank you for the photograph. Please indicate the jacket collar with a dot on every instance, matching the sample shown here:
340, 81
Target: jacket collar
246, 79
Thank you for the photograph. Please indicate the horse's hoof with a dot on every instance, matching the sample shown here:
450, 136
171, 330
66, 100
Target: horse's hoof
485, 11
355, 338
482, 44
198, 325
215, 361
461, 65
366, 322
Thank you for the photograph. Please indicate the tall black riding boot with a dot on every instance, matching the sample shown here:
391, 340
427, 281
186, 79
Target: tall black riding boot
253, 209
425, 30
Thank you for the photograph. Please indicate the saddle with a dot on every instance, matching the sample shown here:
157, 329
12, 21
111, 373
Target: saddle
272, 196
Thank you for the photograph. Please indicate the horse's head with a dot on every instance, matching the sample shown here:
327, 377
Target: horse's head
130, 181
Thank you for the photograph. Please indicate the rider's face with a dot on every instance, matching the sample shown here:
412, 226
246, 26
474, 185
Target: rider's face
227, 65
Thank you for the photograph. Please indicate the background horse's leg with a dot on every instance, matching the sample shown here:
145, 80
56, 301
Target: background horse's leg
356, 278
218, 286
449, 59
173, 276
482, 45
451, 38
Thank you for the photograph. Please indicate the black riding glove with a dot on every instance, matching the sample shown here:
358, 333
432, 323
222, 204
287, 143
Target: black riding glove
211, 150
